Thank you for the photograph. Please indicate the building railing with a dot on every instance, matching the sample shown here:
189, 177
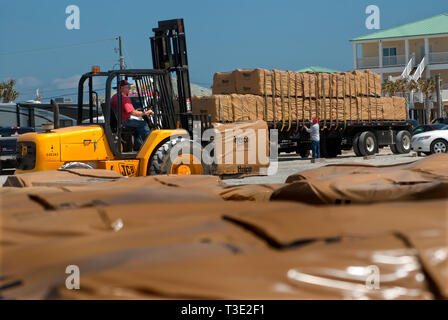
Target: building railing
368, 62
445, 95
391, 61
373, 62
438, 57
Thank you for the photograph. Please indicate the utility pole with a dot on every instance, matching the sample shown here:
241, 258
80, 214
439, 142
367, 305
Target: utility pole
439, 98
121, 54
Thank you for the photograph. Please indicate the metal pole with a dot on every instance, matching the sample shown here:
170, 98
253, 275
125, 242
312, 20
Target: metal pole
55, 114
439, 98
121, 54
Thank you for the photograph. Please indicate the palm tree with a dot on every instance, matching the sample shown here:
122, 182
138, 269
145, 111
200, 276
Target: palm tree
401, 85
7, 91
427, 87
389, 87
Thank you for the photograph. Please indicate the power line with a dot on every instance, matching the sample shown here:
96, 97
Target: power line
53, 48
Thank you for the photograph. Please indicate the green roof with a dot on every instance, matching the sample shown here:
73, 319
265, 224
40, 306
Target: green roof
317, 69
429, 26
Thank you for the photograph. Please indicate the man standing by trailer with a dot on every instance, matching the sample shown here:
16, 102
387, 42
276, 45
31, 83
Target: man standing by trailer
315, 138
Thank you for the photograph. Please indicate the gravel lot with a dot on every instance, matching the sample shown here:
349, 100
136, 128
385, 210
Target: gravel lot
291, 163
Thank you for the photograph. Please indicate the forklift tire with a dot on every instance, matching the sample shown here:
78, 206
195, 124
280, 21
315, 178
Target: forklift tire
356, 145
184, 163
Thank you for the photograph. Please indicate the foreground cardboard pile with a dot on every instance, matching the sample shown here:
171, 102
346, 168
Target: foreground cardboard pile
176, 237
274, 95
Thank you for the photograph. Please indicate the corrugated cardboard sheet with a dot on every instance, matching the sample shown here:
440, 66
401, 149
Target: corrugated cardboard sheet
168, 237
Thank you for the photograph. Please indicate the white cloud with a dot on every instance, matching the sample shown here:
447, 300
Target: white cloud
67, 83
29, 82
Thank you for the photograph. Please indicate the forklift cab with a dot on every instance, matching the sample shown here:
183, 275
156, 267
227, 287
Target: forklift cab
152, 89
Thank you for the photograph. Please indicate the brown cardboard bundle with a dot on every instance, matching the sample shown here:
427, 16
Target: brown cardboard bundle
224, 83
218, 106
388, 108
332, 109
247, 107
288, 83
374, 83
399, 105
310, 88
244, 149
253, 81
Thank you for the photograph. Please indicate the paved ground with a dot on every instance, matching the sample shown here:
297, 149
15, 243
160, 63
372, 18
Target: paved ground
290, 163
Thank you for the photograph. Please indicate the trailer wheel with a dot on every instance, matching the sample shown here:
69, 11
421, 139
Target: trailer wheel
356, 144
304, 153
403, 143
170, 159
367, 143
394, 149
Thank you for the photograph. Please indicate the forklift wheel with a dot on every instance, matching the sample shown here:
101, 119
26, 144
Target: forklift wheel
182, 163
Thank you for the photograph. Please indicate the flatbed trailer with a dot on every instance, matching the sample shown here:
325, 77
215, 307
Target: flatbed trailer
364, 137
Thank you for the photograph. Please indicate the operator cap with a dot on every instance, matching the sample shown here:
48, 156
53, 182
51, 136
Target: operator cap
124, 83
315, 120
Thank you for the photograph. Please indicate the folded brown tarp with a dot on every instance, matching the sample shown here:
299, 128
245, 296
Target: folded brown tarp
61, 177
249, 192
430, 168
339, 270
286, 225
353, 183
178, 250
105, 237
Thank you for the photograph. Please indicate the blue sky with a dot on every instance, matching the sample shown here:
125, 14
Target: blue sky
221, 35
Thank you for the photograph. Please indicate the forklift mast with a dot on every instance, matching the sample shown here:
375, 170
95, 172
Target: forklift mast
169, 52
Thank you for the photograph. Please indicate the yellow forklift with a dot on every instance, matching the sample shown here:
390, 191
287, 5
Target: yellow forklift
168, 149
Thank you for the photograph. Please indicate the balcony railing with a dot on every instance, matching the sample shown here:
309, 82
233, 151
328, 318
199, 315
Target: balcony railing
373, 62
368, 62
393, 61
438, 57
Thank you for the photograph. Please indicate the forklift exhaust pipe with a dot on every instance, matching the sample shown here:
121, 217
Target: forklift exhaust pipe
55, 114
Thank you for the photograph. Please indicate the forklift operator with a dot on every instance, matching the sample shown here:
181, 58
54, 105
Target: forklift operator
127, 110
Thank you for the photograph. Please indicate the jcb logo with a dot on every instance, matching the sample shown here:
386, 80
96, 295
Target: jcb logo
127, 170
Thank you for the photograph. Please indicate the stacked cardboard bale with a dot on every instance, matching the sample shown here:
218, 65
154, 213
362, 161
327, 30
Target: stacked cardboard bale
274, 95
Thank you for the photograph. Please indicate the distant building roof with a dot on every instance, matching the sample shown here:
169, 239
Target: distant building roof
426, 27
317, 69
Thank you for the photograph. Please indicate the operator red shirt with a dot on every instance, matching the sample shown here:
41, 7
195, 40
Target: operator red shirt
126, 104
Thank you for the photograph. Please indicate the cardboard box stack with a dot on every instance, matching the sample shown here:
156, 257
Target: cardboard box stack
274, 95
